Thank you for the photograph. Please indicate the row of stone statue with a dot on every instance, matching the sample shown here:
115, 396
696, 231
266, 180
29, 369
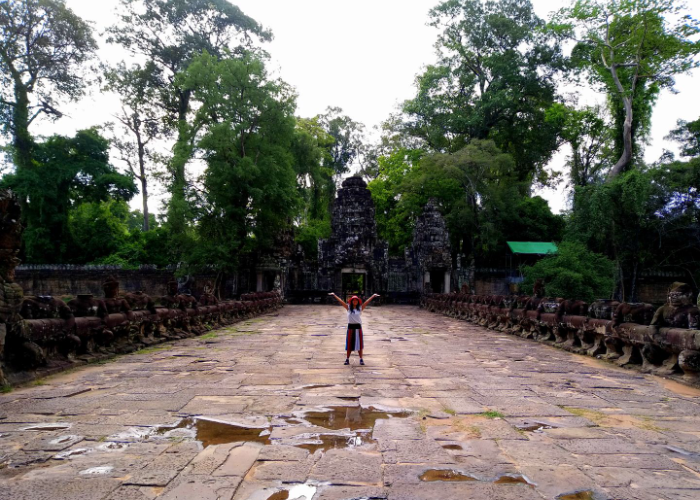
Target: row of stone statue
665, 341
51, 330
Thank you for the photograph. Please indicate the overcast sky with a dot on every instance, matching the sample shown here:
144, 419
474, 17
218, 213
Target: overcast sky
362, 56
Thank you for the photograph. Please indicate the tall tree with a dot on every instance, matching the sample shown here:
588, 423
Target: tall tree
631, 49
170, 34
494, 80
139, 121
588, 133
248, 193
347, 137
43, 46
66, 172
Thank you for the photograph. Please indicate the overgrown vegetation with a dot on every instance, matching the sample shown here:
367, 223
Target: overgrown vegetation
202, 117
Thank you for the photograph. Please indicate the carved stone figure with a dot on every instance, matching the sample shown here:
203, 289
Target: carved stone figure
10, 292
603, 308
639, 313
208, 298
172, 299
85, 305
113, 302
679, 311
139, 301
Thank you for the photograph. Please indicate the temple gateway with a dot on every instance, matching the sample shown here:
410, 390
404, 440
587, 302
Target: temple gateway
354, 260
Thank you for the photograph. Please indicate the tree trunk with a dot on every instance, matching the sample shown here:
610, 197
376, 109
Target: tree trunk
144, 191
143, 178
181, 155
626, 157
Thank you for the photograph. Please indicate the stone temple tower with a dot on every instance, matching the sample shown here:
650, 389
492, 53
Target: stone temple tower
353, 259
430, 254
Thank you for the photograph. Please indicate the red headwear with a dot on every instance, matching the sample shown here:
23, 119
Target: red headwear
359, 302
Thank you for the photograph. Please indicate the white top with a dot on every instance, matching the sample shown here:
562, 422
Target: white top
355, 317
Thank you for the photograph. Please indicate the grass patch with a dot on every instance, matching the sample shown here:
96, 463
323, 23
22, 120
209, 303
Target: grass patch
594, 416
151, 350
208, 336
4, 389
449, 411
492, 414
39, 381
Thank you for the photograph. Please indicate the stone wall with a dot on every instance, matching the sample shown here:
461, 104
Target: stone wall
72, 280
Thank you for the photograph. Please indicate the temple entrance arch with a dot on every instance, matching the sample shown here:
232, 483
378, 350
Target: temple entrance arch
353, 282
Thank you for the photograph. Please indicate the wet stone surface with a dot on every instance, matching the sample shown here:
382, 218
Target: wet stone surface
265, 410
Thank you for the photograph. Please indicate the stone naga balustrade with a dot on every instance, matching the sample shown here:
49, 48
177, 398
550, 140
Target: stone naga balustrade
606, 329
50, 335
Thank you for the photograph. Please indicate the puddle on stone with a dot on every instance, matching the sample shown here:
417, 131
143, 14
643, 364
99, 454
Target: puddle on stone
579, 495
512, 479
350, 417
325, 442
214, 432
445, 475
48, 427
452, 447
534, 427
298, 491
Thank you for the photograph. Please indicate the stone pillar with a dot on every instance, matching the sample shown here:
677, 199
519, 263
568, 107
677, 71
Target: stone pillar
447, 282
426, 280
259, 284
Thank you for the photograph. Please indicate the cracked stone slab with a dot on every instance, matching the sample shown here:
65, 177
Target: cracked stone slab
348, 467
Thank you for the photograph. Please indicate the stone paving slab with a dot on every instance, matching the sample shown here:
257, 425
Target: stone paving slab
501, 417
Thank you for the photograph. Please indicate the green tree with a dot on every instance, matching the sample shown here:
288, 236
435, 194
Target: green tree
43, 46
393, 223
67, 172
495, 80
588, 134
139, 122
478, 193
249, 190
311, 151
347, 143
632, 49
687, 134
644, 219
170, 34
97, 230
573, 272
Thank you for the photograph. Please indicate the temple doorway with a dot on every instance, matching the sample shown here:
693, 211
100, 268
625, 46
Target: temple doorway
353, 284
437, 280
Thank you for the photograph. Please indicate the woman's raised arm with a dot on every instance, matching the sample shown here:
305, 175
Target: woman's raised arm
338, 299
368, 301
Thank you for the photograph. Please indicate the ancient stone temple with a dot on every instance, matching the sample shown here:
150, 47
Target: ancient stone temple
353, 259
430, 254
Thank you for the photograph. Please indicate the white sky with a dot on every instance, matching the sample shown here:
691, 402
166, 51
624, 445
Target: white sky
362, 56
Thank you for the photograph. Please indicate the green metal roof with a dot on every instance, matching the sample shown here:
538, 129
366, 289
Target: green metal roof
532, 247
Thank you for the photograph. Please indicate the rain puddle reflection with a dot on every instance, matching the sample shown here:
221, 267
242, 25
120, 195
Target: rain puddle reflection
579, 495
350, 417
455, 475
211, 432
